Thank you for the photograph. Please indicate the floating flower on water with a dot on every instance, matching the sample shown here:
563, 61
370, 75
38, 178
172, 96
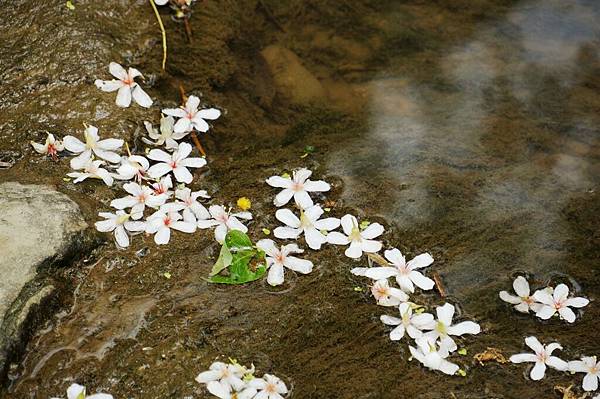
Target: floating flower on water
386, 295
223, 391
119, 223
141, 196
432, 357
101, 148
244, 203
405, 272
92, 170
193, 210
133, 166
51, 147
125, 85
308, 223
229, 375
178, 162
407, 322
590, 366
166, 218
277, 259
542, 358
76, 391
269, 387
298, 187
192, 118
559, 302
165, 135
360, 241
523, 302
443, 328
224, 221
162, 186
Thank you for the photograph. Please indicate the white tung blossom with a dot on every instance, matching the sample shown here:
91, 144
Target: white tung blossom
443, 327
308, 223
76, 391
279, 258
126, 86
190, 117
229, 375
542, 357
139, 198
119, 223
269, 387
386, 295
591, 367
101, 148
166, 218
558, 301
223, 391
178, 162
133, 166
163, 186
51, 147
360, 240
224, 221
523, 302
298, 186
193, 210
165, 135
409, 323
406, 273
92, 170
431, 356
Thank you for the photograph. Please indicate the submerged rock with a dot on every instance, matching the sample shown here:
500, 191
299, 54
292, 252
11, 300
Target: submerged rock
39, 227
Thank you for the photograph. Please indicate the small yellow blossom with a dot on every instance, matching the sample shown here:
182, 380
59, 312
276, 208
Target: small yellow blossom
244, 203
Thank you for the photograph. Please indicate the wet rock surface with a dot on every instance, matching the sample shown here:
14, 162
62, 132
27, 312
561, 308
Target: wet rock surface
39, 227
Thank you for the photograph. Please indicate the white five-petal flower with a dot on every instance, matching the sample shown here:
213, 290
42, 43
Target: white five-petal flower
308, 223
406, 273
125, 85
590, 366
559, 302
192, 118
139, 198
91, 169
523, 301
163, 186
224, 391
230, 375
101, 148
133, 166
386, 295
193, 210
119, 223
408, 323
298, 186
51, 147
277, 259
76, 391
542, 358
178, 162
165, 135
360, 240
224, 221
431, 356
443, 327
269, 387
166, 218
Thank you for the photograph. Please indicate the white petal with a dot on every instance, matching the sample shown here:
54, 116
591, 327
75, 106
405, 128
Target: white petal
121, 237
141, 97
370, 246
375, 273
372, 231
523, 357
283, 197
317, 186
279, 182
314, 238
521, 286
302, 199
117, 71
534, 344
124, 97
159, 155
327, 224
286, 232
286, 216
348, 223
445, 313
420, 261
354, 251
466, 327
209, 113
75, 391
275, 276
162, 236
590, 382
567, 314
545, 312
538, 371
183, 175
158, 170
299, 265
506, 297
424, 283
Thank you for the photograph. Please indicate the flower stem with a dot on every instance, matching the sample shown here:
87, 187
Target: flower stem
163, 33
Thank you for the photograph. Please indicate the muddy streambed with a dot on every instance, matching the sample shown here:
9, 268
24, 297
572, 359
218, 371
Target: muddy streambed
469, 129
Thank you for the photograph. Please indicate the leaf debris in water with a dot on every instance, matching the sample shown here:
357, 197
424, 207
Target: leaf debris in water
490, 354
70, 5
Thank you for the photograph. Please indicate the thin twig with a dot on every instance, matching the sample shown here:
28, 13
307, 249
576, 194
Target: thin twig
163, 33
438, 284
188, 28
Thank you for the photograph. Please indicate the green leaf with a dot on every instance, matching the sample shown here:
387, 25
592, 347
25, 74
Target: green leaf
237, 239
223, 262
241, 261
70, 5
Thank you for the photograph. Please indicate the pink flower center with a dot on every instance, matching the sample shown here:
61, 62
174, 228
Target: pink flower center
127, 81
558, 304
173, 164
297, 186
542, 357
279, 258
167, 220
271, 388
51, 149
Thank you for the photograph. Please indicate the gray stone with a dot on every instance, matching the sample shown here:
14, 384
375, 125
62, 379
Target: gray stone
39, 227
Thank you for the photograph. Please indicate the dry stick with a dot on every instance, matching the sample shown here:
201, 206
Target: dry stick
194, 136
162, 32
438, 284
188, 28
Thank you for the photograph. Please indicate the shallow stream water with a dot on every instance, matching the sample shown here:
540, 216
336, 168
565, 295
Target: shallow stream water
469, 129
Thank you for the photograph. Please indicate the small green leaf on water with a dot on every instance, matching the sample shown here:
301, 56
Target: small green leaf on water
462, 351
225, 259
309, 149
461, 372
66, 179
358, 289
70, 5
327, 209
286, 175
240, 259
248, 377
419, 310
266, 232
364, 224
167, 275
324, 232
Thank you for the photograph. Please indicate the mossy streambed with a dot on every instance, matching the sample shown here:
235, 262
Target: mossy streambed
469, 129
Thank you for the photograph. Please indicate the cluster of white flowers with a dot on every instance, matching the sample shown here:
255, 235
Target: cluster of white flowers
234, 381
76, 391
545, 302
542, 357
